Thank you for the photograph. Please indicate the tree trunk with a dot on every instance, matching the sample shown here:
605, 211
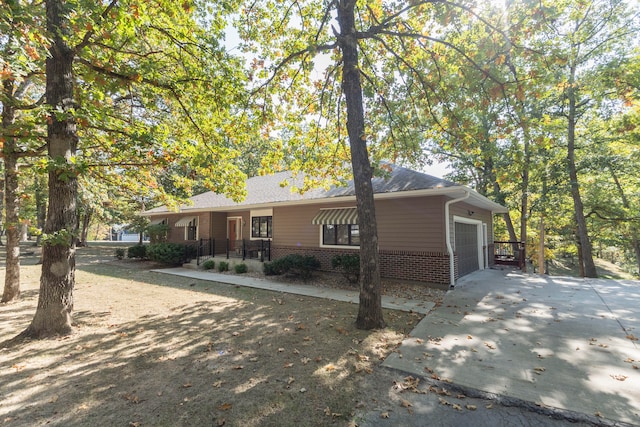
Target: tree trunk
581, 272
12, 221
86, 220
41, 205
2, 225
524, 201
583, 234
55, 302
370, 308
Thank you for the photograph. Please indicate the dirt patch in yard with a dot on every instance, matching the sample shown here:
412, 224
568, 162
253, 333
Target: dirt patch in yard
153, 349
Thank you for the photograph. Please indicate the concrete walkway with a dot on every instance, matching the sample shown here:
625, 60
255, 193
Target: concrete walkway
402, 304
566, 343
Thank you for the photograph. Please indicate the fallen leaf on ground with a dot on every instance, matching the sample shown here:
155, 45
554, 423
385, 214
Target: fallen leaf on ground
471, 407
187, 385
406, 404
632, 337
384, 415
218, 384
225, 406
490, 346
619, 377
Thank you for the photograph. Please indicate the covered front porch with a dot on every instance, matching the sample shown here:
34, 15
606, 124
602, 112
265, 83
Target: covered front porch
243, 249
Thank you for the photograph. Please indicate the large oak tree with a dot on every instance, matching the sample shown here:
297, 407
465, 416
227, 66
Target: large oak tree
131, 88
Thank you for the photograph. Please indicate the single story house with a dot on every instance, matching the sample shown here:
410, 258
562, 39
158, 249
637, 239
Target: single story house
429, 229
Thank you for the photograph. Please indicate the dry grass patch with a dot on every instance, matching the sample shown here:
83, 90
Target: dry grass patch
159, 350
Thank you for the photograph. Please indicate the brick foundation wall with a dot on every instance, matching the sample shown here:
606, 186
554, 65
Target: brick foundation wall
429, 267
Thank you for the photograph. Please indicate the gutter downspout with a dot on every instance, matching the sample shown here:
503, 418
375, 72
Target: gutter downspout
447, 232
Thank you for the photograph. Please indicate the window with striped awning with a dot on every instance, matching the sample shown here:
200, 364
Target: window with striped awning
185, 222
342, 216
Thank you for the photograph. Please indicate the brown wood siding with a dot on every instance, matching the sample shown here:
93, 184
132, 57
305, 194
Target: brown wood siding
292, 225
409, 224
204, 225
219, 225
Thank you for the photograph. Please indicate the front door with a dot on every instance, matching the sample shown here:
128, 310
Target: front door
233, 228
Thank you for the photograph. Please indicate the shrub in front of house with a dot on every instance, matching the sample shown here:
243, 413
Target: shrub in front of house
299, 265
168, 253
349, 266
158, 233
209, 264
120, 253
241, 268
223, 266
137, 251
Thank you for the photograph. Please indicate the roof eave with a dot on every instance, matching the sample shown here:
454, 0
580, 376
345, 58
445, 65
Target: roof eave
475, 199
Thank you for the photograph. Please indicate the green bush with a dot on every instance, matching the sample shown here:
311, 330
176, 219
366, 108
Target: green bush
241, 268
269, 269
349, 265
137, 251
158, 233
209, 264
120, 253
223, 266
299, 265
168, 253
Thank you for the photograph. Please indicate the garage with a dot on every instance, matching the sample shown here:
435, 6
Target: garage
467, 248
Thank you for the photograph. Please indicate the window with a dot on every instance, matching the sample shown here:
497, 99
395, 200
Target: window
262, 227
341, 235
191, 230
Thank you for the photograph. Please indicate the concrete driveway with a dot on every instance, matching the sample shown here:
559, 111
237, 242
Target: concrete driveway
566, 343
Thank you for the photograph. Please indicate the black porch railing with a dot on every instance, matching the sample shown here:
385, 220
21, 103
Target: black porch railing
509, 253
249, 249
245, 249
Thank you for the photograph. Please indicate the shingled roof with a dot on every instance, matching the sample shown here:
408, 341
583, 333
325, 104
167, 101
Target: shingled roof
267, 190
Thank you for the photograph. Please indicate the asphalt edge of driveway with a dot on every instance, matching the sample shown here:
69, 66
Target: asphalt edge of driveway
551, 412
